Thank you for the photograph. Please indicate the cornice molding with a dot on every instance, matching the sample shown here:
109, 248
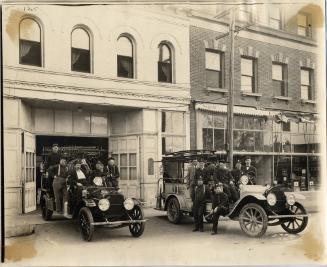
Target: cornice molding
58, 88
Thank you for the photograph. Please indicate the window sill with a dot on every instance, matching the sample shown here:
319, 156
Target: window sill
257, 95
285, 98
308, 101
217, 90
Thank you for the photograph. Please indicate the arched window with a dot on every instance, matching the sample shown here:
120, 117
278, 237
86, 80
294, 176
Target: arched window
30, 43
125, 56
164, 64
81, 57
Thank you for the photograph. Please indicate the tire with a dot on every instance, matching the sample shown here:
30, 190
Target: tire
173, 211
253, 220
46, 213
296, 225
137, 229
85, 220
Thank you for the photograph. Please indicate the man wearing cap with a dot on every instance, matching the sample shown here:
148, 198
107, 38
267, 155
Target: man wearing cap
60, 174
201, 171
112, 173
249, 170
54, 157
237, 172
191, 181
199, 205
220, 206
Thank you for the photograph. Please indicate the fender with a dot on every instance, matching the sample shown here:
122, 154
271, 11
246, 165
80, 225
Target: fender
181, 200
253, 198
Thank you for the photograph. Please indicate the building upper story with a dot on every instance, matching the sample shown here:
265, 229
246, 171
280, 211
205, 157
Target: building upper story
275, 57
124, 51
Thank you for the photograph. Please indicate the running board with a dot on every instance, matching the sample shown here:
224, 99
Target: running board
287, 216
119, 222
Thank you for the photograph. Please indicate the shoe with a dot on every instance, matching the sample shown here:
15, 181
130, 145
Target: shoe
213, 233
195, 230
68, 216
201, 230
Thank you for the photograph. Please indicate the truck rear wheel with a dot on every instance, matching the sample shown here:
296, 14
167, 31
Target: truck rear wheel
46, 212
173, 211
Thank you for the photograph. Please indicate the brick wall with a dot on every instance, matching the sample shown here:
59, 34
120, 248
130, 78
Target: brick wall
264, 52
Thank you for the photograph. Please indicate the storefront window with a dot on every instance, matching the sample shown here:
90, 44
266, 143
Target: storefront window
213, 132
299, 171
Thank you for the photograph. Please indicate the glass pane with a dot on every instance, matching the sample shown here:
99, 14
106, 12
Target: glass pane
246, 83
277, 141
248, 140
278, 87
305, 77
212, 61
123, 173
238, 140
302, 20
286, 140
150, 166
213, 79
168, 122
81, 60
164, 72
300, 171
124, 66
267, 141
282, 168
239, 122
218, 121
219, 142
168, 144
132, 159
123, 160
207, 138
80, 39
304, 92
132, 173
29, 53
125, 47
207, 120
63, 121
178, 143
99, 123
258, 137
249, 123
164, 54
82, 122
247, 66
178, 122
277, 72
30, 30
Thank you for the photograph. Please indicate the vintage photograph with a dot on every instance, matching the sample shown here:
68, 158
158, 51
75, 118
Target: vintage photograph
142, 133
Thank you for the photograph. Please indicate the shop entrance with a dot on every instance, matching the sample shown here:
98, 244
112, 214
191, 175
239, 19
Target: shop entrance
96, 148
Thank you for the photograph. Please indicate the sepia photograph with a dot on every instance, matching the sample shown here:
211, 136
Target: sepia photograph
163, 133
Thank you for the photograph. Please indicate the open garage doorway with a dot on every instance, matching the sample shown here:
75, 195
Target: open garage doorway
70, 147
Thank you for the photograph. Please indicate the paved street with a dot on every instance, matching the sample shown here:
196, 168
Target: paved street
59, 243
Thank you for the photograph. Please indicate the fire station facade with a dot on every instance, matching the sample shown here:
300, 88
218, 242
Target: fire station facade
118, 77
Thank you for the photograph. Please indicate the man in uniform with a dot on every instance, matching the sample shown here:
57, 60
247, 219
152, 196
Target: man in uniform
112, 173
201, 172
199, 205
191, 182
237, 172
249, 170
52, 160
220, 206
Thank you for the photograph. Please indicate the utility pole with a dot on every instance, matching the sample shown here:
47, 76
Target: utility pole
230, 107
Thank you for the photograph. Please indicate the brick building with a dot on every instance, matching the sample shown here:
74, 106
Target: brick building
275, 112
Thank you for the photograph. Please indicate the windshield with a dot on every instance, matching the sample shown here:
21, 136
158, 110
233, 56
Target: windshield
174, 169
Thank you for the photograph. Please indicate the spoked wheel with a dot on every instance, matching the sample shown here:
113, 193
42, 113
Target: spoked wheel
297, 224
137, 229
46, 213
253, 220
85, 220
173, 211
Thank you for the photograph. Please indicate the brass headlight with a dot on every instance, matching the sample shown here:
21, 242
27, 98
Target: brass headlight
271, 199
290, 199
129, 204
104, 204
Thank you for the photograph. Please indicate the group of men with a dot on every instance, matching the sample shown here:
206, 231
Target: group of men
217, 182
60, 176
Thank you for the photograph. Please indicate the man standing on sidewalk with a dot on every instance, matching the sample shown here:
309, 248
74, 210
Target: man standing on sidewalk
199, 205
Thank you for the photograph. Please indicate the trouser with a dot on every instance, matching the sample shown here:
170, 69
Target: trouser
231, 192
215, 218
60, 192
198, 211
192, 192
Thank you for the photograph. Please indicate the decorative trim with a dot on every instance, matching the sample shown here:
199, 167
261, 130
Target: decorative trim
215, 45
307, 63
279, 57
11, 84
286, 98
251, 94
217, 90
249, 52
308, 101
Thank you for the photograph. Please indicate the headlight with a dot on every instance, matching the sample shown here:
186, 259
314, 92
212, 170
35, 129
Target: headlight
84, 193
290, 199
129, 204
271, 199
97, 181
244, 179
104, 204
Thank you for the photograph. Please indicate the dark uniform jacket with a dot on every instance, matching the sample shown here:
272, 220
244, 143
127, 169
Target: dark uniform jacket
223, 175
236, 173
191, 175
251, 172
200, 173
59, 171
199, 195
73, 179
112, 171
220, 200
53, 159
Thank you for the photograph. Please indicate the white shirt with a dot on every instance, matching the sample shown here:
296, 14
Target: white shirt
80, 174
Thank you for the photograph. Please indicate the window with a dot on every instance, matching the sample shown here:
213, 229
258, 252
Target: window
306, 84
125, 63
213, 132
303, 26
30, 167
127, 165
81, 60
286, 126
248, 75
30, 43
165, 64
214, 69
274, 17
279, 79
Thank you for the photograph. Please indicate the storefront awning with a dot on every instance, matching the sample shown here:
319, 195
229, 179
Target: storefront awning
250, 111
